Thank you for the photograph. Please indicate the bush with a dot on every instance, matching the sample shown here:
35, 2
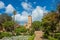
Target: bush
45, 36
17, 31
31, 37
5, 34
57, 35
51, 38
31, 32
20, 30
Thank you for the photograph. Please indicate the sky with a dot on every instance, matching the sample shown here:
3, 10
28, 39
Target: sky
24, 8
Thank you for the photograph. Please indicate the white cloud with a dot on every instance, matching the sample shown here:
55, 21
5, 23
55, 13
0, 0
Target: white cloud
1, 5
22, 18
24, 13
26, 6
36, 14
9, 9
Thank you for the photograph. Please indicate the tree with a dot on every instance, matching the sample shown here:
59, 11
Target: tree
3, 18
9, 25
49, 23
58, 8
14, 15
36, 25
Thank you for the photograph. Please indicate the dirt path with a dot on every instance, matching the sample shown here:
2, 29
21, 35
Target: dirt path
38, 35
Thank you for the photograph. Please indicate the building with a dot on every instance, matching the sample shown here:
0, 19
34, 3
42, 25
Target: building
29, 23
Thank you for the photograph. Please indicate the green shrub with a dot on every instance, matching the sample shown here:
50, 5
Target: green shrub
57, 35
45, 36
20, 30
31, 37
31, 32
17, 31
51, 38
5, 34
0, 35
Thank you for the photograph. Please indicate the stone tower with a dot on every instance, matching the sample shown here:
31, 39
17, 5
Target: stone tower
29, 21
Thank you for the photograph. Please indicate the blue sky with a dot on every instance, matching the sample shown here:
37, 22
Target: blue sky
17, 3
35, 8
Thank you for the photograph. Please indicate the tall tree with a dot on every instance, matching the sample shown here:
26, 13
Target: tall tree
3, 18
14, 15
58, 8
49, 23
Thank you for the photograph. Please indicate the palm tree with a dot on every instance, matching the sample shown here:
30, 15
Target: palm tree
58, 8
14, 12
14, 15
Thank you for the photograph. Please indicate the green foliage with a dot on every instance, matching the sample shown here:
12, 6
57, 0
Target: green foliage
58, 8
20, 30
8, 25
57, 35
5, 17
17, 30
31, 32
31, 37
51, 24
45, 36
5, 34
51, 38
36, 25
23, 30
